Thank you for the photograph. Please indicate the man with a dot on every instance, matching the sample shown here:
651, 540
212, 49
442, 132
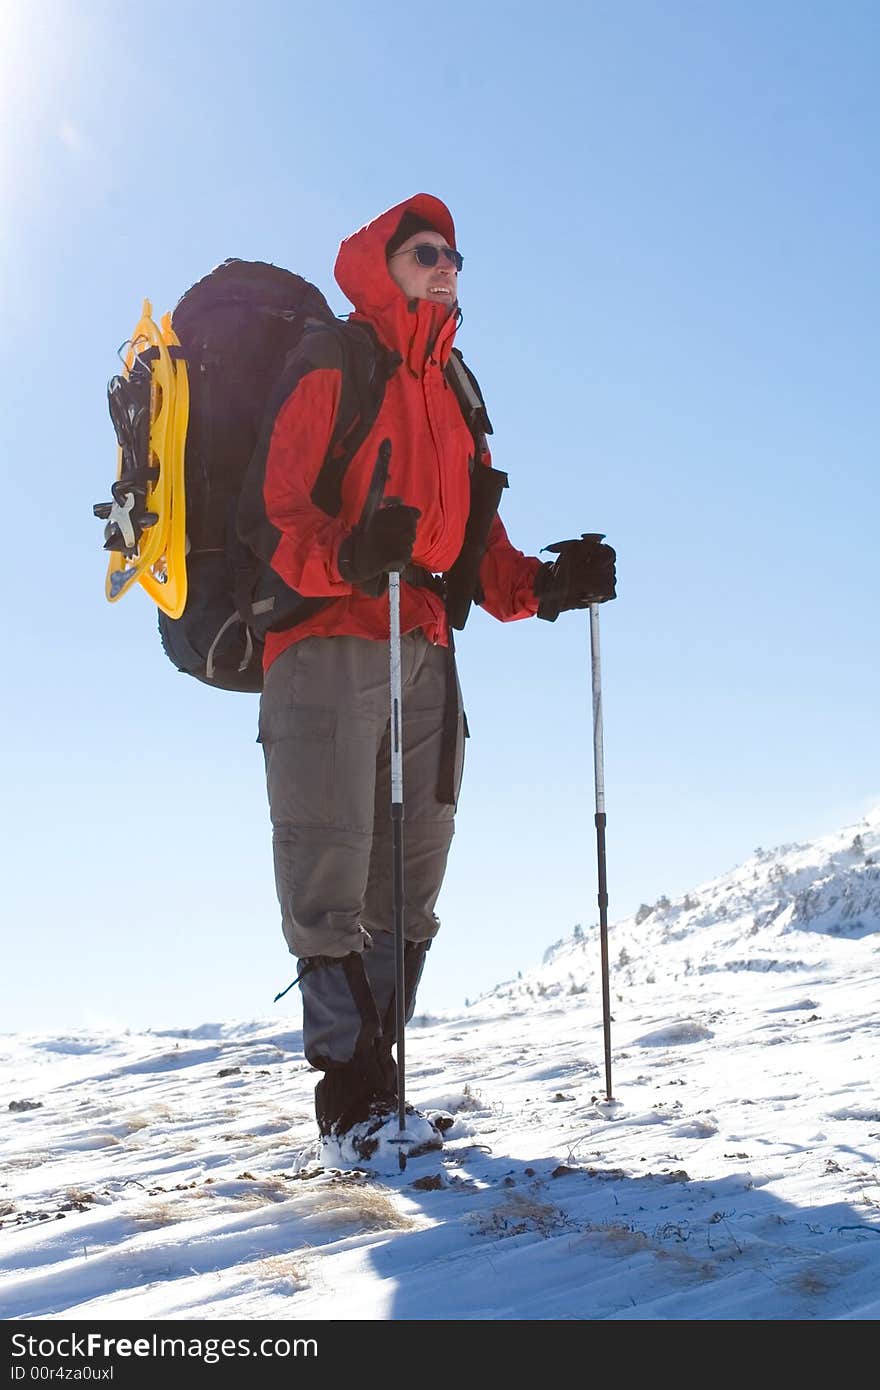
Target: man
324, 712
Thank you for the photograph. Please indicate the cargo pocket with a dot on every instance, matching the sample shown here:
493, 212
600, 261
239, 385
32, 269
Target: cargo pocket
300, 752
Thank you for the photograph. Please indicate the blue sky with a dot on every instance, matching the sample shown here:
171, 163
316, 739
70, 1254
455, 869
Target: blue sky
668, 213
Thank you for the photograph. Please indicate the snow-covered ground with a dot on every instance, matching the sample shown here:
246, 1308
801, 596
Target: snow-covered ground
733, 1174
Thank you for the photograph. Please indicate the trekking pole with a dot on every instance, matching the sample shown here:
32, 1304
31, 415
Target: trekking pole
397, 852
374, 500
598, 763
599, 777
396, 684
560, 548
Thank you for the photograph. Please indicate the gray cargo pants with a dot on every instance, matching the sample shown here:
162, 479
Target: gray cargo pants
324, 727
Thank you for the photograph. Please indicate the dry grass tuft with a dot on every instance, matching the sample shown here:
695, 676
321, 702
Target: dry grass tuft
79, 1195
812, 1282
365, 1209
288, 1272
152, 1218
23, 1164
518, 1215
142, 1119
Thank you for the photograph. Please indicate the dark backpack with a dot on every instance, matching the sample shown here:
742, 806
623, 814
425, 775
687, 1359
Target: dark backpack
237, 329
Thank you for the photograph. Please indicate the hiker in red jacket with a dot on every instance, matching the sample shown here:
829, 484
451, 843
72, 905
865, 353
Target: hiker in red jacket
324, 712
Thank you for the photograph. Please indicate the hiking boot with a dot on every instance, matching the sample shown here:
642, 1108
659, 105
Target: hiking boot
347, 1095
375, 1140
441, 1120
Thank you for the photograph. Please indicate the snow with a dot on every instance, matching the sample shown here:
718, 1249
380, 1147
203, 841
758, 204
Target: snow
731, 1175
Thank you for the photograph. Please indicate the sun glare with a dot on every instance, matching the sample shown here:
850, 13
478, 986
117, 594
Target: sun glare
16, 81
40, 53
14, 28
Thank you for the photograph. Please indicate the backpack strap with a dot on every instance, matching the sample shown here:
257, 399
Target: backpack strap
470, 399
366, 368
487, 485
262, 600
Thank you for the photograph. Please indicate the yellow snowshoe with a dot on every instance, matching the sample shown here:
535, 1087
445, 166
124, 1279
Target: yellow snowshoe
145, 532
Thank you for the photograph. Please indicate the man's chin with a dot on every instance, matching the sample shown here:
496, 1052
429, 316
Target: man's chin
447, 305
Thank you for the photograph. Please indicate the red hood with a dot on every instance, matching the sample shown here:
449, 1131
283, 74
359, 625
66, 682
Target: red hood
408, 326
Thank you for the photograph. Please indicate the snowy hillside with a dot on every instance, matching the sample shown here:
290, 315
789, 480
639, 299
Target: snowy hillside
794, 908
734, 1173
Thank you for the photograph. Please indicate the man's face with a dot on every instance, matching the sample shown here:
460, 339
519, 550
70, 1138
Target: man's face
435, 282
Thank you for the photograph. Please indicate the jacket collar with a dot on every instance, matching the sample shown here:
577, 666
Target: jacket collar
416, 328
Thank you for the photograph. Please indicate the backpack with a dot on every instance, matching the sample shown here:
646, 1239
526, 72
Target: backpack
189, 412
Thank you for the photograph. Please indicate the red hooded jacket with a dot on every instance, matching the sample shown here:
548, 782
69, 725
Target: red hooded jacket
431, 447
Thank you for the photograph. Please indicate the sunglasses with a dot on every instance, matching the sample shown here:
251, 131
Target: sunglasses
427, 254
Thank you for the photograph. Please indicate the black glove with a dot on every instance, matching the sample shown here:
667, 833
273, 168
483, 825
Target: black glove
384, 543
583, 574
